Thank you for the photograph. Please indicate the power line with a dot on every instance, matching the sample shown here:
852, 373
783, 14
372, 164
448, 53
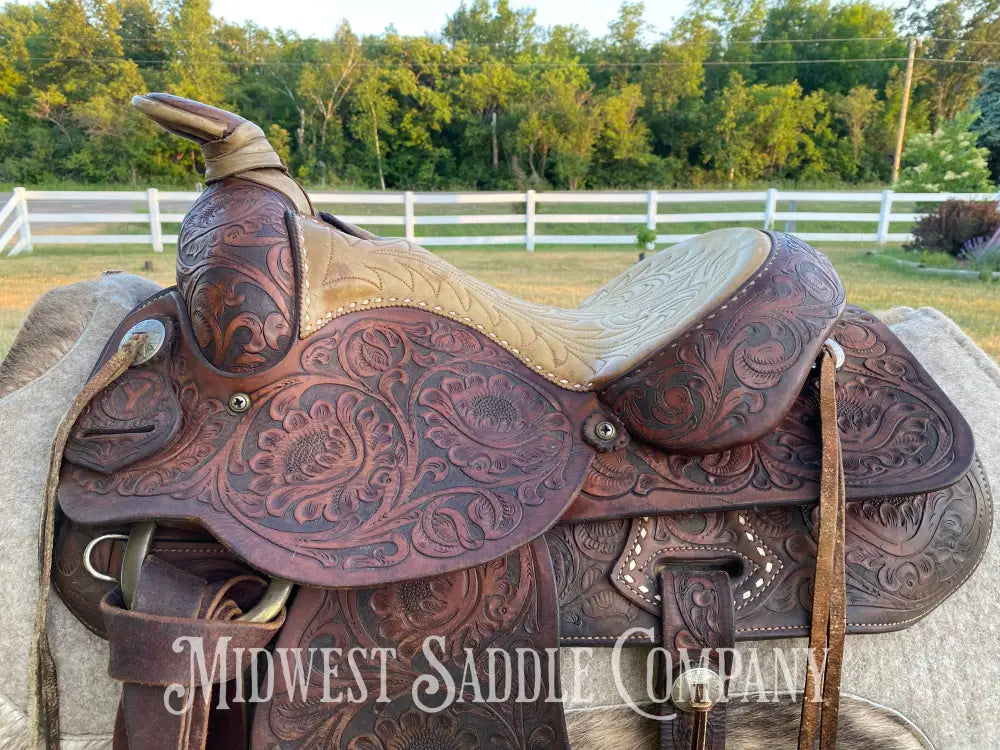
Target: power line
554, 64
368, 42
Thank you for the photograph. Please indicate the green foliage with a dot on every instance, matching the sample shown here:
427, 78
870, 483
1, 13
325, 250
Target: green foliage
988, 124
952, 224
987, 261
645, 237
947, 160
497, 102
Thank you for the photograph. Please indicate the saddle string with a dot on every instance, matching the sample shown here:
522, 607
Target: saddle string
43, 687
829, 610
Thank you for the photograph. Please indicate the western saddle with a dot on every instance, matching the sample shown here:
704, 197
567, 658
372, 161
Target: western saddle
325, 439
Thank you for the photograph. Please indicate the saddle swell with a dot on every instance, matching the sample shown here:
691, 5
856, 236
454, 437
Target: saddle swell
426, 453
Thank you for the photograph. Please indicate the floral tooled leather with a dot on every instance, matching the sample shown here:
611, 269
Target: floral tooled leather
502, 606
899, 433
376, 450
235, 271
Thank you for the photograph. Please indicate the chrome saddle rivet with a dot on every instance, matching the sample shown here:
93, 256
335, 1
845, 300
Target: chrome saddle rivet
606, 431
239, 403
156, 334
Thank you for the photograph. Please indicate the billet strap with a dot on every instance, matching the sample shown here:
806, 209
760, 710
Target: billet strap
43, 686
829, 613
698, 614
152, 646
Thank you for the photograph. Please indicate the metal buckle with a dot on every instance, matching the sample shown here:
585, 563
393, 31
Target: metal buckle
140, 541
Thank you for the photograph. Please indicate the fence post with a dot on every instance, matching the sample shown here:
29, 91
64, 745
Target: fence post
409, 221
24, 244
155, 228
769, 207
652, 200
884, 214
529, 220
790, 223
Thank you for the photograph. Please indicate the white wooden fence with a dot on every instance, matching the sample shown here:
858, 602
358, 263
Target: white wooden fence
33, 208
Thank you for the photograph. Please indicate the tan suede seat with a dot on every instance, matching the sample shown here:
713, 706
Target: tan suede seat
627, 319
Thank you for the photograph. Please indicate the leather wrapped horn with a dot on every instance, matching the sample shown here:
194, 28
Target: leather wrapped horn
236, 265
230, 144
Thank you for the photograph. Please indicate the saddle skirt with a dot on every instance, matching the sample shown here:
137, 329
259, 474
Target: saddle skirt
426, 454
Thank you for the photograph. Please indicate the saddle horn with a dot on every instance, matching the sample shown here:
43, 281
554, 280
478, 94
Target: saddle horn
231, 145
236, 265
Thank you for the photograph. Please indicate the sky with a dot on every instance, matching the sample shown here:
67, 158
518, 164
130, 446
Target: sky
415, 17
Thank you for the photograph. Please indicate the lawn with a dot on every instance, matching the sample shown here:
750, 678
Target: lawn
558, 276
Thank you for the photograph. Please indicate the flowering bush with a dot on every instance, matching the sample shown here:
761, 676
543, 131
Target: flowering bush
983, 253
947, 161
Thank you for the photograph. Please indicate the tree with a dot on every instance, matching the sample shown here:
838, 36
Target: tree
728, 145
505, 33
196, 69
953, 30
988, 125
558, 121
488, 92
373, 108
322, 88
947, 160
495, 101
858, 109
622, 148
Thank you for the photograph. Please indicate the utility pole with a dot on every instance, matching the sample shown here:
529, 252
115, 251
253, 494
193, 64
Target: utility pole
902, 112
496, 147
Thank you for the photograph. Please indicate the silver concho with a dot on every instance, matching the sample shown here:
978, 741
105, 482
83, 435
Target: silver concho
697, 689
839, 357
156, 334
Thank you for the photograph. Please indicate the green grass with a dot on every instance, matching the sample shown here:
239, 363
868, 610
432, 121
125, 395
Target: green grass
561, 276
926, 258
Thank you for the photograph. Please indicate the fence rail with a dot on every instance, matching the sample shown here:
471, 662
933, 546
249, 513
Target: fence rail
29, 209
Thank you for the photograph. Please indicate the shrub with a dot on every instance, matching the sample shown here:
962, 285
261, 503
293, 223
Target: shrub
954, 223
983, 253
645, 238
946, 161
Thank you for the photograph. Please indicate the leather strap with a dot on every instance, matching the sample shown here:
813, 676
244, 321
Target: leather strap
829, 614
171, 604
697, 612
43, 684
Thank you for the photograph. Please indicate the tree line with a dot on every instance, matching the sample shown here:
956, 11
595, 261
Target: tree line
738, 91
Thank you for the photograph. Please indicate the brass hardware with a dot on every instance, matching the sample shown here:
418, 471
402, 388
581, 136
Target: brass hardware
239, 403
156, 336
89, 549
140, 541
270, 604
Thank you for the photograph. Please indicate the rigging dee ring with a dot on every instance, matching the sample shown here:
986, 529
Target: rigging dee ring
137, 548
